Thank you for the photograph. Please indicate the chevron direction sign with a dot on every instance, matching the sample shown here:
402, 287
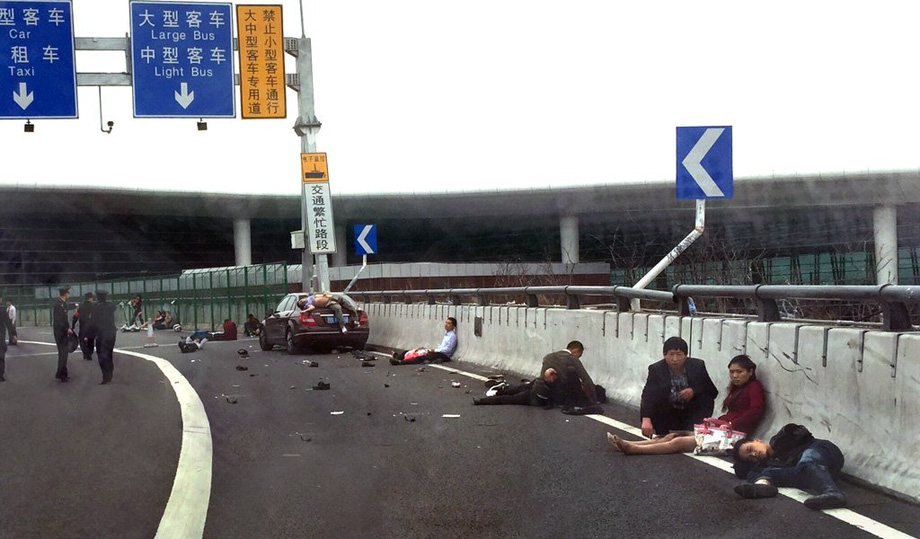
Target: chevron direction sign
704, 162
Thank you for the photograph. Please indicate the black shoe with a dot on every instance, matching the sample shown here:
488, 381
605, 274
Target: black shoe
2, 379
106, 378
753, 490
494, 382
64, 378
828, 500
394, 361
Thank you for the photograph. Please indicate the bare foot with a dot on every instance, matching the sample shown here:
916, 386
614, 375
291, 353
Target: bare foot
613, 440
624, 446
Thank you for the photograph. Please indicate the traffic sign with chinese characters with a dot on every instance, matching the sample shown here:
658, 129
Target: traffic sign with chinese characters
318, 202
366, 239
314, 168
261, 61
39, 76
704, 162
182, 60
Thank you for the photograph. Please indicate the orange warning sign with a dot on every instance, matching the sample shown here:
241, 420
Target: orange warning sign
314, 167
261, 36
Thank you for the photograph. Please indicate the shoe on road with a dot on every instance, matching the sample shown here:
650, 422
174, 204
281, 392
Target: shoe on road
828, 500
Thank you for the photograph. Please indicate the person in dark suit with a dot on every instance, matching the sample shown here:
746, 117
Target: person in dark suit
103, 327
678, 392
84, 316
572, 386
5, 325
61, 327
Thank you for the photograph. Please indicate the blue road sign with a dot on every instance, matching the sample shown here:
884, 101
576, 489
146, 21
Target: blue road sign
39, 77
182, 59
704, 162
366, 239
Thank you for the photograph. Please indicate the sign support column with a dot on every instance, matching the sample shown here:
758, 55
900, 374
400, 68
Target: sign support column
307, 126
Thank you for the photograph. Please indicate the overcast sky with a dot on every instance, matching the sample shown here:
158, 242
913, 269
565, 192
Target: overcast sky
420, 96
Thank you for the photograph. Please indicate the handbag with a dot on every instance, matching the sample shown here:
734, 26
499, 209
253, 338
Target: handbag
715, 437
73, 342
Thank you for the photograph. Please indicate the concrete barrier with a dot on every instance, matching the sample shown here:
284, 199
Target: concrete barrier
856, 387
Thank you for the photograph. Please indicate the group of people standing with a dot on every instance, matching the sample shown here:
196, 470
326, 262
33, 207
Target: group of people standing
92, 324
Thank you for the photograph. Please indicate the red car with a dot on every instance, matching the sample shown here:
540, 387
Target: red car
316, 330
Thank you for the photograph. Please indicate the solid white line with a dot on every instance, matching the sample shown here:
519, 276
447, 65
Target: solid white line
456, 371
846, 515
187, 508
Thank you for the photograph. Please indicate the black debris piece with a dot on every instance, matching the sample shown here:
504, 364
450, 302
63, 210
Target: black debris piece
242, 368
321, 386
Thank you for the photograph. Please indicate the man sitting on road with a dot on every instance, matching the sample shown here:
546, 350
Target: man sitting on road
442, 353
793, 458
573, 388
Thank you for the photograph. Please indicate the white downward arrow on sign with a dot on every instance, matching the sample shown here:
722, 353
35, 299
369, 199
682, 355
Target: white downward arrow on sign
24, 97
696, 170
185, 98
362, 236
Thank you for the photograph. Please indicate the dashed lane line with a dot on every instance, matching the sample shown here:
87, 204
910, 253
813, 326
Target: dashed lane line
845, 515
187, 508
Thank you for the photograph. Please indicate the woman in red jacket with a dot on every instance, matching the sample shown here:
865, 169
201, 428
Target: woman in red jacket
743, 409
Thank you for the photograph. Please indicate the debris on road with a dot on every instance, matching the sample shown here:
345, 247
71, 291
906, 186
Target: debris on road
367, 363
242, 368
450, 416
338, 412
386, 385
420, 369
409, 418
455, 384
321, 386
292, 387
243, 353
231, 400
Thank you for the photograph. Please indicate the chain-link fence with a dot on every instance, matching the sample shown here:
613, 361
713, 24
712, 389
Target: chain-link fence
199, 299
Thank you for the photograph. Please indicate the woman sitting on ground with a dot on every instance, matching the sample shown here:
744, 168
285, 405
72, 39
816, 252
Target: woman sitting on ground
743, 409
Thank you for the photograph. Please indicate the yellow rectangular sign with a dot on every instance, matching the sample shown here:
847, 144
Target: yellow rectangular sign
314, 167
262, 84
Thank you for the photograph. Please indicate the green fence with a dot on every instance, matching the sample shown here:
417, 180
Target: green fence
197, 299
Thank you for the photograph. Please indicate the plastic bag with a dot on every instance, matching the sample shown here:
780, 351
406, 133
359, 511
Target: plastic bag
715, 437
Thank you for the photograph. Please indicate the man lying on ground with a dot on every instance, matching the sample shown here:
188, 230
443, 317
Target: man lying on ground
793, 458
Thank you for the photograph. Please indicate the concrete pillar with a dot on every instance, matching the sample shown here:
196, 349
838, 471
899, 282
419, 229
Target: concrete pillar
885, 221
340, 258
568, 234
242, 242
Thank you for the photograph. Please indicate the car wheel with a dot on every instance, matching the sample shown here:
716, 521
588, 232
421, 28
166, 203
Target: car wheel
290, 345
263, 342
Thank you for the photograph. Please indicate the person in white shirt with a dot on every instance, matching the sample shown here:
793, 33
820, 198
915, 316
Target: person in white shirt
11, 312
444, 351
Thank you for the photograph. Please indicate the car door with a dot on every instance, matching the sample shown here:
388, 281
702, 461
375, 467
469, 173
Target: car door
276, 323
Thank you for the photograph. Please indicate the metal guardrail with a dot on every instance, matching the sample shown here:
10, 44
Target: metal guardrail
893, 299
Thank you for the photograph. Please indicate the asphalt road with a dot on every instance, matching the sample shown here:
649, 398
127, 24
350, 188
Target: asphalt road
84, 460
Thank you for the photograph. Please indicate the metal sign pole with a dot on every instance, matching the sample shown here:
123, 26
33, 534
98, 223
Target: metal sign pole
307, 126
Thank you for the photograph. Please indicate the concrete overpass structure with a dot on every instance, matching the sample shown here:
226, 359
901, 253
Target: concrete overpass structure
785, 213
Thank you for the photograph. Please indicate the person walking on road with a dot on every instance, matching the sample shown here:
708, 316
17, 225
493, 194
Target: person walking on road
84, 315
5, 324
11, 312
62, 331
103, 327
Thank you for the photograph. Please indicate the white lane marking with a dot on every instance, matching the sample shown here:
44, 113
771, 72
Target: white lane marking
846, 515
457, 371
187, 507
